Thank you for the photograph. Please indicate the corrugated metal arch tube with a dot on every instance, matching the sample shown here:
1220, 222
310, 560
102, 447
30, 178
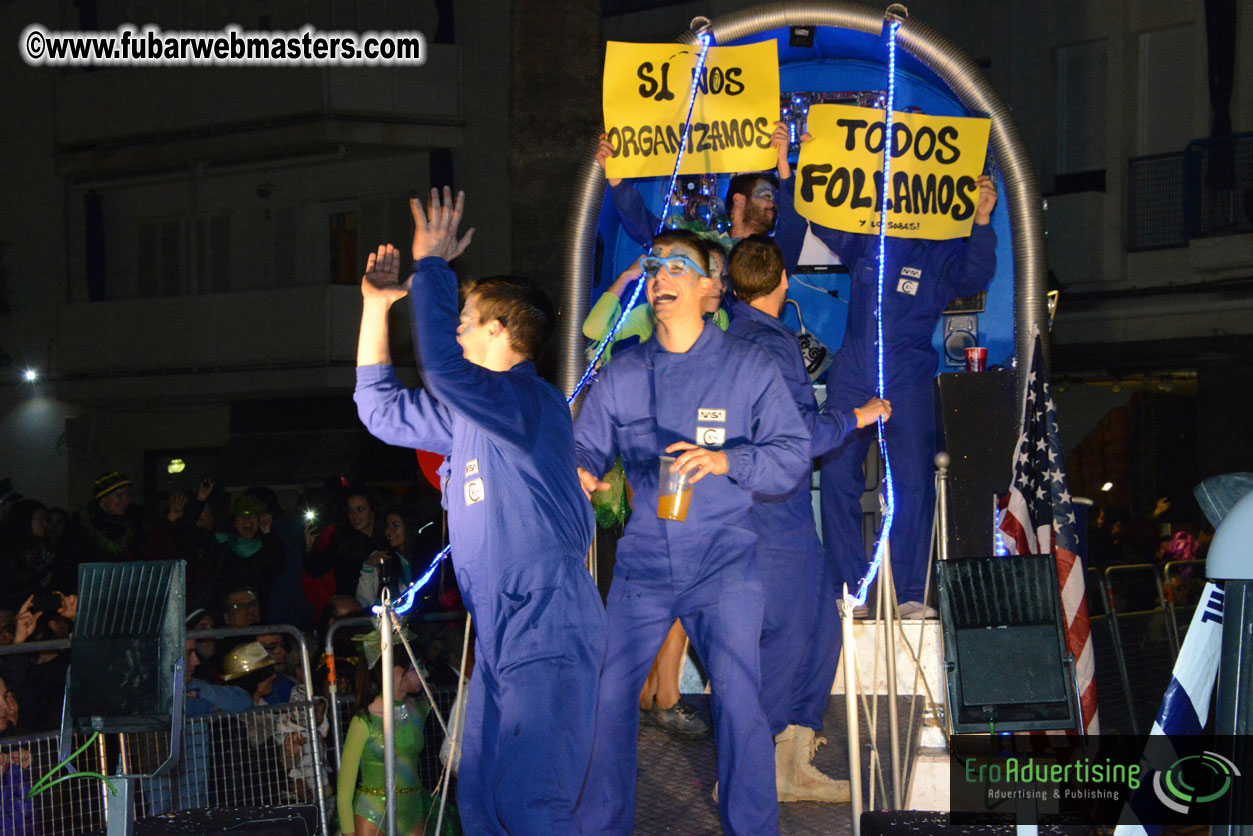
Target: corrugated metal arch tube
950, 63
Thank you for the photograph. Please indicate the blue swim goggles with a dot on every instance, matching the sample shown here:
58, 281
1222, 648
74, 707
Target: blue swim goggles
675, 265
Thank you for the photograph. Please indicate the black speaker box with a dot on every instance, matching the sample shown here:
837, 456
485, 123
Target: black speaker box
129, 634
1005, 654
978, 427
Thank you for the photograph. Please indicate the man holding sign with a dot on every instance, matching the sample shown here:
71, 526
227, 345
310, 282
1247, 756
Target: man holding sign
753, 201
921, 277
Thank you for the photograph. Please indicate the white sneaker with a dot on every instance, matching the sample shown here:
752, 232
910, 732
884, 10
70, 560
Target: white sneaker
917, 609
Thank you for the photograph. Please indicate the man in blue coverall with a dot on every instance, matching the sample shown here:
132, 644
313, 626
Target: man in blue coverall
920, 279
800, 636
690, 383
518, 520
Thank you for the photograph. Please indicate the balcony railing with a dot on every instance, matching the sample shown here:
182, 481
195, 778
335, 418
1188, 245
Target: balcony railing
1200, 192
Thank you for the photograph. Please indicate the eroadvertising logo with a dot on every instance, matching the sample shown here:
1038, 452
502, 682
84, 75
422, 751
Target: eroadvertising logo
1179, 787
1105, 780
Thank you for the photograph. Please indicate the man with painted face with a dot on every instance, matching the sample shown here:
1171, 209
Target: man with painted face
519, 524
754, 203
800, 636
690, 382
920, 279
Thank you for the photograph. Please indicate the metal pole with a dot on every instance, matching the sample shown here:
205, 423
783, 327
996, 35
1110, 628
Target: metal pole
120, 809
911, 750
389, 715
417, 669
891, 614
1111, 613
332, 678
1166, 613
459, 723
850, 709
942, 462
319, 779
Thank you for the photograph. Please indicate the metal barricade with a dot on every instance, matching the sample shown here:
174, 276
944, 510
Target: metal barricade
1143, 643
70, 807
265, 756
1182, 581
257, 758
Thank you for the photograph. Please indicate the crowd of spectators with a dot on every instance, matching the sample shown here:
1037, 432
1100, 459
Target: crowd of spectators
249, 561
1142, 546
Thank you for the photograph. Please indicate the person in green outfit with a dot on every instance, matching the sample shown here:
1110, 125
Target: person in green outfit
361, 801
639, 320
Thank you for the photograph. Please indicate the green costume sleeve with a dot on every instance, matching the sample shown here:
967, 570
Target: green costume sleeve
601, 317
354, 744
639, 323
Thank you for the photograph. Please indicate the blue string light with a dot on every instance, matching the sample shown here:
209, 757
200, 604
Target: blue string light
404, 602
881, 545
999, 548
706, 40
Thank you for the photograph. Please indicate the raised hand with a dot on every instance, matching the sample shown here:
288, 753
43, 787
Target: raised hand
627, 276
781, 140
604, 151
987, 199
435, 228
178, 506
69, 606
382, 276
206, 488
25, 622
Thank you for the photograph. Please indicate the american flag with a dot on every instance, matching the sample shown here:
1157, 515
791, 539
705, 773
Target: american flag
1036, 517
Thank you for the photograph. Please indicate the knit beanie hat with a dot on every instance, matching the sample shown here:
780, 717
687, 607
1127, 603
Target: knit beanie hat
107, 483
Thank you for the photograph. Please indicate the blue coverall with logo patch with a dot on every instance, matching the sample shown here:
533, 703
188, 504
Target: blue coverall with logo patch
722, 393
921, 277
520, 527
800, 633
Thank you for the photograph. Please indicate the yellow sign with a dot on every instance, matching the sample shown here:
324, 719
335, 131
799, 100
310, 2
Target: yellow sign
646, 93
935, 160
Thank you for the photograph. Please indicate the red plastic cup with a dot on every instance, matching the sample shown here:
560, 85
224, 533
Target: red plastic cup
976, 359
